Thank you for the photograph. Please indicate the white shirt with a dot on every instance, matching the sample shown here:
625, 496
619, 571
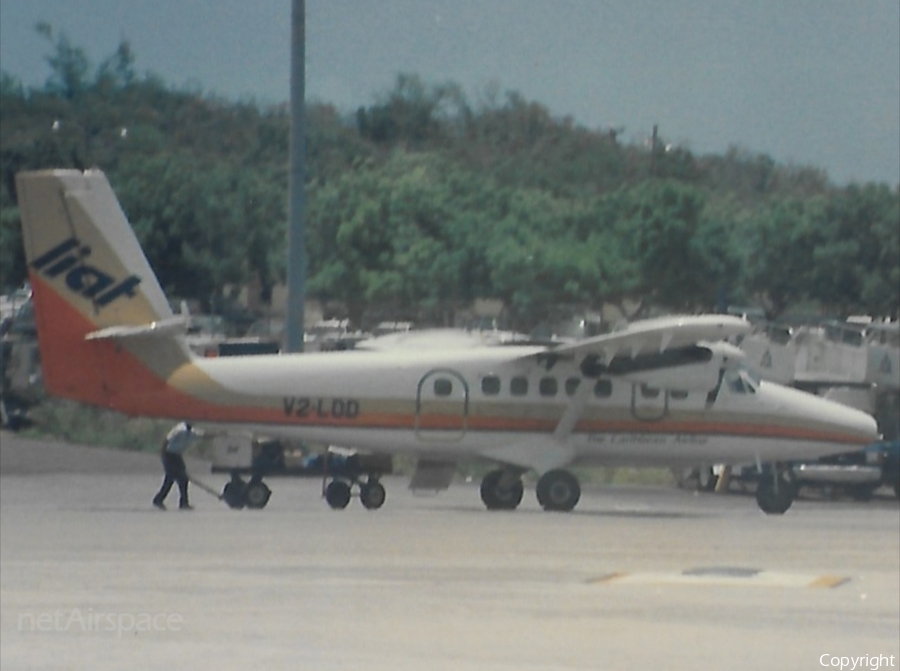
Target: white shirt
179, 438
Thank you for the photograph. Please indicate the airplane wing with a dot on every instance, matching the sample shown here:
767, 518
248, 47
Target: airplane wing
659, 335
652, 344
681, 352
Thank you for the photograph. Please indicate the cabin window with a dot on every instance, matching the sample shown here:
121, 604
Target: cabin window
518, 386
443, 387
572, 385
649, 392
678, 394
490, 385
548, 386
603, 388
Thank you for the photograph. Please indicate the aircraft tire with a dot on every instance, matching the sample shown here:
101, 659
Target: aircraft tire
558, 490
257, 494
774, 501
372, 494
337, 494
496, 497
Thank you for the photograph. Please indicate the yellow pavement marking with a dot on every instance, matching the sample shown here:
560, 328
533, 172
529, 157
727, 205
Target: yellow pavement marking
609, 577
829, 581
724, 578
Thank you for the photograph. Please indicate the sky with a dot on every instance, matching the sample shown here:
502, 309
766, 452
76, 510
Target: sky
808, 82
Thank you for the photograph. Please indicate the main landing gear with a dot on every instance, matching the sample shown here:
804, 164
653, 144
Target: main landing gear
502, 490
776, 490
556, 490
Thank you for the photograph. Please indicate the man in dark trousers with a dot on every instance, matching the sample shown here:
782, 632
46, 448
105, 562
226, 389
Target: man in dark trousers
177, 441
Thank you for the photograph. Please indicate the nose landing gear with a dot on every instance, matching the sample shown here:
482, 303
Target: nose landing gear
776, 490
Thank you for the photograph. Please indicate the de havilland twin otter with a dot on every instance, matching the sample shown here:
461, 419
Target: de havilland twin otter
661, 392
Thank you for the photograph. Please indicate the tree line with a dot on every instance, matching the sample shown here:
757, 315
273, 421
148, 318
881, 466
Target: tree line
423, 201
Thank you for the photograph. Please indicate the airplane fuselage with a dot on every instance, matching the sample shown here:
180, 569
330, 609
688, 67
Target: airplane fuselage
503, 403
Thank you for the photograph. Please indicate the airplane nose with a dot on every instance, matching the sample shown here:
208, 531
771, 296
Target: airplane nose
830, 421
862, 424
850, 425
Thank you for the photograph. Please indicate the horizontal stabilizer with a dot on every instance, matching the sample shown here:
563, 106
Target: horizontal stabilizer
165, 327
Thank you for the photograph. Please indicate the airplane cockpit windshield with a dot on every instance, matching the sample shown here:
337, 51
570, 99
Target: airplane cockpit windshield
742, 380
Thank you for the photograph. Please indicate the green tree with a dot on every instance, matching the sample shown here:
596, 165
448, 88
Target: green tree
69, 65
421, 202
779, 254
856, 261
203, 227
678, 253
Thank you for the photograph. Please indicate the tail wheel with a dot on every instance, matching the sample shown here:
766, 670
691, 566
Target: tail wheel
558, 490
257, 494
372, 494
337, 494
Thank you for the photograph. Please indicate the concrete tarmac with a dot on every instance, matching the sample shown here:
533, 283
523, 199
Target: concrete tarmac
93, 577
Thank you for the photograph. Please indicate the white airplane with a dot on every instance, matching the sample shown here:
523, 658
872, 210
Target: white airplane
663, 392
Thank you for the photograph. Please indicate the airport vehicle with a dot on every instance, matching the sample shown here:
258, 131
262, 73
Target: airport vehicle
21, 386
666, 391
890, 456
858, 474
259, 457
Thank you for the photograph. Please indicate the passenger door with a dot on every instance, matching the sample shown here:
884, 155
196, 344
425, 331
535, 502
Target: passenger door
442, 406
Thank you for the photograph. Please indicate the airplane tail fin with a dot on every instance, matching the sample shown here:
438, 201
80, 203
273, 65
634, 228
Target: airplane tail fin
105, 328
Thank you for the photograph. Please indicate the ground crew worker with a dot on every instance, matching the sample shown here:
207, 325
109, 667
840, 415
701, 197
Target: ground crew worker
177, 441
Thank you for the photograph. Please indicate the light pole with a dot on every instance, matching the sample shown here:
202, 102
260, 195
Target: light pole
296, 270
